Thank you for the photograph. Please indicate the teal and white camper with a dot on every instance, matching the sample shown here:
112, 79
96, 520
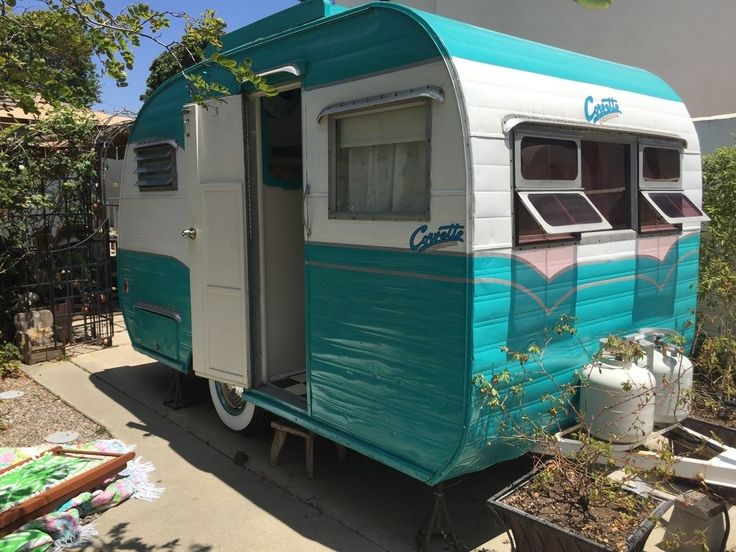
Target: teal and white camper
350, 253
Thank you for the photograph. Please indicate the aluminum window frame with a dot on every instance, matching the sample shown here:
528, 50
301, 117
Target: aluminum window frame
521, 183
662, 185
139, 171
333, 145
568, 228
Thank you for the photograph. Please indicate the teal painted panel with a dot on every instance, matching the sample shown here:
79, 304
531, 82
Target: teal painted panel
160, 282
486, 46
290, 18
387, 343
161, 334
340, 47
619, 297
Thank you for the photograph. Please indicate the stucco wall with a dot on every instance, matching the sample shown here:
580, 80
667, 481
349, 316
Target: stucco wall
688, 43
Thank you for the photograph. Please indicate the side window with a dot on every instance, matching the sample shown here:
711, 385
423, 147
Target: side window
156, 166
550, 203
380, 163
663, 206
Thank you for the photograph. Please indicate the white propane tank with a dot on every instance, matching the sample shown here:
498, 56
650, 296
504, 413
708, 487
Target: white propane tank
673, 373
617, 401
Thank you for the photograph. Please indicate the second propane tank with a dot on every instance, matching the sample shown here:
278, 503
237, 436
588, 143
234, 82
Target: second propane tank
673, 373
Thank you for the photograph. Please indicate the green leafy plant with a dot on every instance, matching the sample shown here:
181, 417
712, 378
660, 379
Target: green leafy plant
9, 361
28, 73
571, 483
716, 351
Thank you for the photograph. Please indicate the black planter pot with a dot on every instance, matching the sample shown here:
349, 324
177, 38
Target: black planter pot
534, 534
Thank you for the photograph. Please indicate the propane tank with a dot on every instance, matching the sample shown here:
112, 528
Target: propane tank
617, 401
673, 374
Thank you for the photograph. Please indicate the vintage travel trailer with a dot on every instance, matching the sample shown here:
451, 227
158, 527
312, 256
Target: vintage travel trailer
350, 253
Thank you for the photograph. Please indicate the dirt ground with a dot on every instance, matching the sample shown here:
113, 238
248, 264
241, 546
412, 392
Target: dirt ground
26, 420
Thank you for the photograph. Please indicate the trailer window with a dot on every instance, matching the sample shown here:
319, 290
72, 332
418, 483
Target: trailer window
380, 164
156, 166
548, 159
663, 207
661, 164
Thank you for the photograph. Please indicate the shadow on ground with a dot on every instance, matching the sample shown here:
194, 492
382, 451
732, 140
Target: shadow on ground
381, 504
117, 539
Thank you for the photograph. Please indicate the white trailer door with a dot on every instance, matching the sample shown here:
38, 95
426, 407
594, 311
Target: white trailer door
215, 175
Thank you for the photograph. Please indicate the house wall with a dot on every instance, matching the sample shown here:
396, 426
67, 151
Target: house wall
688, 44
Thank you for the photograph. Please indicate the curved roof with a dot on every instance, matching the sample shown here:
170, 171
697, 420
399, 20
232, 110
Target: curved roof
332, 44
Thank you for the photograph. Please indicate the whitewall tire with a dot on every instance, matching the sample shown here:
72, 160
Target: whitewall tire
234, 411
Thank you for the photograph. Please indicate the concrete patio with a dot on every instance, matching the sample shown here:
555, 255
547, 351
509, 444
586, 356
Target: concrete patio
213, 503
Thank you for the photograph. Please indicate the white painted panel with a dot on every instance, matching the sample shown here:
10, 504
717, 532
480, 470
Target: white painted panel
225, 330
492, 93
492, 204
152, 221
220, 155
446, 209
221, 242
495, 231
448, 166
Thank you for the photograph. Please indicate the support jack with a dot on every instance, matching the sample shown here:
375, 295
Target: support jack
436, 532
179, 394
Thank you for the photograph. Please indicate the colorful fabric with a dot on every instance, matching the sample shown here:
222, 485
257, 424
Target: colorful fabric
38, 475
26, 541
63, 528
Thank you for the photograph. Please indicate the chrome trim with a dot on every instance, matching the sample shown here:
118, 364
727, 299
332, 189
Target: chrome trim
161, 311
426, 92
291, 68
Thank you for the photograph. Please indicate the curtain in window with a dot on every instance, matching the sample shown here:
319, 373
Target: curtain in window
382, 162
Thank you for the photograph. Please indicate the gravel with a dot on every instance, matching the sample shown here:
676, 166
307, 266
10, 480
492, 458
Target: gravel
30, 418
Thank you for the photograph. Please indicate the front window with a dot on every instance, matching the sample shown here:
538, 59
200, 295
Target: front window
381, 164
663, 206
552, 202
546, 159
660, 164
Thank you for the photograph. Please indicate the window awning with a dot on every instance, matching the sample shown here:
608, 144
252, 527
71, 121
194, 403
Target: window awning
674, 207
563, 212
427, 92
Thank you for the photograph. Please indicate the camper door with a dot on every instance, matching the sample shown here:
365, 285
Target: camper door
214, 174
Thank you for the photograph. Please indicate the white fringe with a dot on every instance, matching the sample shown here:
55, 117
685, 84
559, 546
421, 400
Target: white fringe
84, 536
138, 472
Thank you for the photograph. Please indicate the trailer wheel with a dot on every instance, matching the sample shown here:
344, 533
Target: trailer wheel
234, 411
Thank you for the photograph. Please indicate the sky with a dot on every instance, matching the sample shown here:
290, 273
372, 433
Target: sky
235, 13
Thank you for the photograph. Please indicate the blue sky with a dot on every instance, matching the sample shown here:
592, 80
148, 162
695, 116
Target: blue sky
235, 13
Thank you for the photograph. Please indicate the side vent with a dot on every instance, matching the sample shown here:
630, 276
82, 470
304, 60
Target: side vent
156, 166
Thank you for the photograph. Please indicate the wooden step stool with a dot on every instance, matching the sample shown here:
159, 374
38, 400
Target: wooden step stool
283, 429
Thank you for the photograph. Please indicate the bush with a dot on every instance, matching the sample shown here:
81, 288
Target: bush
717, 289
9, 361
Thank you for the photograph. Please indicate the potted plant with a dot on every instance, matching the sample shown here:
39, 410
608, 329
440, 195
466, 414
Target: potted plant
568, 502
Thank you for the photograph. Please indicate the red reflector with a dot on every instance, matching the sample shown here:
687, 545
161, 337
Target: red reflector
125, 285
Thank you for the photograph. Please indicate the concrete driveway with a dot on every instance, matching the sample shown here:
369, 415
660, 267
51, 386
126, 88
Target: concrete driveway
213, 503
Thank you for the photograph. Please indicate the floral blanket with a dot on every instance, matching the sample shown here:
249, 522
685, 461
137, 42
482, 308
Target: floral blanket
63, 528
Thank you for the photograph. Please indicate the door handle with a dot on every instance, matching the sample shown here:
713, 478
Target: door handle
190, 233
